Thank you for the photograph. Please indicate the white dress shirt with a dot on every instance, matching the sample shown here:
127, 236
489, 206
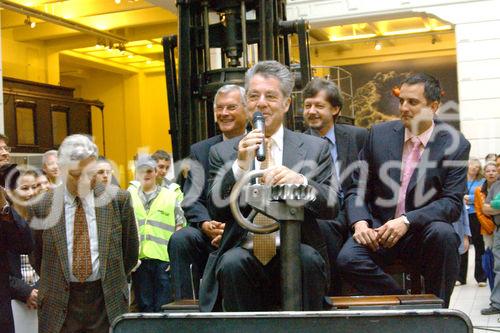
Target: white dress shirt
276, 152
69, 214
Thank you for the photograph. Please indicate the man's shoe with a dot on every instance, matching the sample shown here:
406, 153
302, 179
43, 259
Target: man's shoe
490, 311
482, 284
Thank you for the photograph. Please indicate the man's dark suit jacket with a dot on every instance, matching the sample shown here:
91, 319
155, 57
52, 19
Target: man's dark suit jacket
349, 141
196, 186
15, 237
434, 193
297, 149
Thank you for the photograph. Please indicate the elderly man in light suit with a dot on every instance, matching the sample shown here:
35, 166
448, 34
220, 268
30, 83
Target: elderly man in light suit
86, 246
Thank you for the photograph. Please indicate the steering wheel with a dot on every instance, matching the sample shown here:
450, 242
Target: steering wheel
246, 222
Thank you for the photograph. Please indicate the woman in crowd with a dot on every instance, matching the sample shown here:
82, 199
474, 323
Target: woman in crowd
480, 193
42, 183
21, 188
474, 180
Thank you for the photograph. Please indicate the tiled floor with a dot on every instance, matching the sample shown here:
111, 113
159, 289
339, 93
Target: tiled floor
470, 299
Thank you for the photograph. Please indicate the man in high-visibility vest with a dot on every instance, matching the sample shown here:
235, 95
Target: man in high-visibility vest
158, 213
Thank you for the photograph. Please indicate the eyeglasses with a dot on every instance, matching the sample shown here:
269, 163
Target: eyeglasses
6, 148
229, 107
102, 172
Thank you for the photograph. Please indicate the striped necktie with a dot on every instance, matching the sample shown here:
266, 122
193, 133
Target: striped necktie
264, 245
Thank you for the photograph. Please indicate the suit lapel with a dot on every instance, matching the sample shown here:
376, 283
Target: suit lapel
293, 152
432, 153
103, 212
396, 153
58, 232
343, 146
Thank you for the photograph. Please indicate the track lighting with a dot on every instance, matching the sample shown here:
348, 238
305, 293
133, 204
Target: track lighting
29, 22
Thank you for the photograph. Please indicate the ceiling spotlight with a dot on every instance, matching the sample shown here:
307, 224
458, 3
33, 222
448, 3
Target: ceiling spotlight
118, 2
150, 46
378, 46
29, 22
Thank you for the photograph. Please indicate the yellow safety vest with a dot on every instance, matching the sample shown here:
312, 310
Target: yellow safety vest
157, 225
177, 190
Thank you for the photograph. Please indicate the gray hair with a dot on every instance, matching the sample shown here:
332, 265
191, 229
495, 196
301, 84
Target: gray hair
272, 68
47, 154
75, 148
229, 88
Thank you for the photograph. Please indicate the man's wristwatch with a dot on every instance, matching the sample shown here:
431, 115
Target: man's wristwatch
405, 220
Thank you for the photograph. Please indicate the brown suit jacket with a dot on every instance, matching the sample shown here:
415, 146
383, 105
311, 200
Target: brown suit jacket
118, 253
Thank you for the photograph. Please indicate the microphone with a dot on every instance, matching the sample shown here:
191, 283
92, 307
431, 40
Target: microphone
259, 123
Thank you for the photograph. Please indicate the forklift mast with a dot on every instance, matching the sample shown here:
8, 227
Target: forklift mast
217, 41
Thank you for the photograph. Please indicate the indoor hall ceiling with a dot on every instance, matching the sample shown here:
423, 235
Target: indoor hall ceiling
138, 26
417, 23
133, 29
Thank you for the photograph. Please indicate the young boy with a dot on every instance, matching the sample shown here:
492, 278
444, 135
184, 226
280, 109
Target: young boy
159, 215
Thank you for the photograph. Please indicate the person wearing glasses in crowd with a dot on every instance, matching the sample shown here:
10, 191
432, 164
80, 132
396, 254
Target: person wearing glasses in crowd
190, 247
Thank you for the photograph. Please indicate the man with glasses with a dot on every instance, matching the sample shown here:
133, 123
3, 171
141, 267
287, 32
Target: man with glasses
244, 274
4, 150
5, 165
190, 247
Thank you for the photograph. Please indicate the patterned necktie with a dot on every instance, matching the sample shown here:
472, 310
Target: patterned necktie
410, 164
264, 245
82, 262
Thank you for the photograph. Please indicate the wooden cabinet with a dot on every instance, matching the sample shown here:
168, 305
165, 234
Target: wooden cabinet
39, 116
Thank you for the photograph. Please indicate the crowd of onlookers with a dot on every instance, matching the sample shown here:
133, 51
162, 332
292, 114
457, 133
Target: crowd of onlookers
95, 251
481, 199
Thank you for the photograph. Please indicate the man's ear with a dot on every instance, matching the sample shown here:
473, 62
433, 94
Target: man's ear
287, 103
335, 111
434, 106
